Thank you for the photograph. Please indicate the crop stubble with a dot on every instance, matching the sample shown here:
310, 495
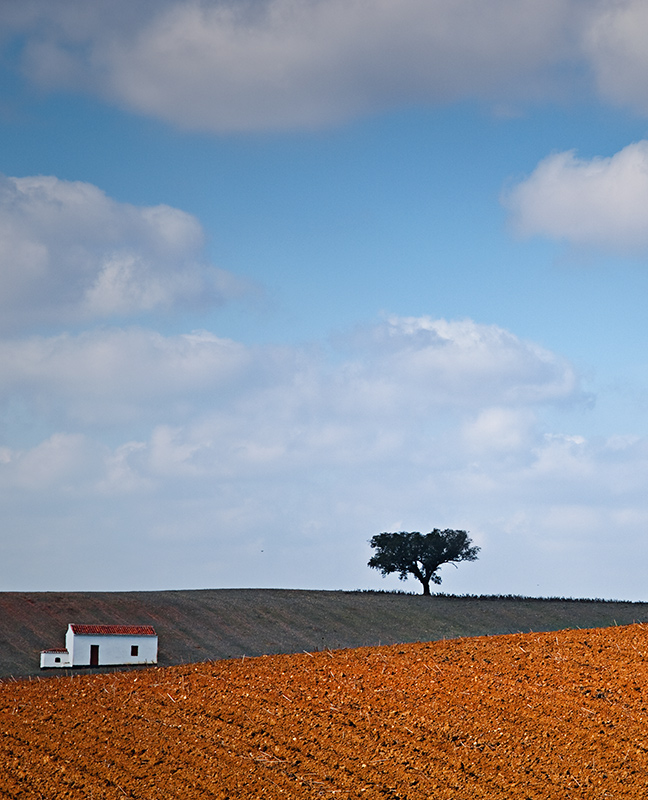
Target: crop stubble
552, 715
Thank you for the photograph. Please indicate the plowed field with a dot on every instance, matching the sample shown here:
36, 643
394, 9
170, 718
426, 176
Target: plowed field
558, 715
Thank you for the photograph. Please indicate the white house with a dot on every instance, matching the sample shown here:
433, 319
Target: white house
103, 645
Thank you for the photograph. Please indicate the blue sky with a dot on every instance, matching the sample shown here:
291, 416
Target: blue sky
279, 276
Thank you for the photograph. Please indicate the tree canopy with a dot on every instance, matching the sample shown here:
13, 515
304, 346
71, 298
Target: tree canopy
419, 554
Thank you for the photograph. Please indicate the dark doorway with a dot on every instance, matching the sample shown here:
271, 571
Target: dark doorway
94, 655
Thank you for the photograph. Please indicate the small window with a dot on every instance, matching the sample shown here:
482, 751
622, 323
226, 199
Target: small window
57, 660
134, 650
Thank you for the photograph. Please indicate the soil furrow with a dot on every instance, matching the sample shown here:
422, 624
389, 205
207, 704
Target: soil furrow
520, 716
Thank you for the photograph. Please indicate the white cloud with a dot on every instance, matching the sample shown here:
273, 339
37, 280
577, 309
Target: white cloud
279, 63
264, 466
259, 436
415, 392
66, 463
218, 65
412, 366
598, 203
500, 430
282, 63
462, 364
615, 43
113, 377
69, 253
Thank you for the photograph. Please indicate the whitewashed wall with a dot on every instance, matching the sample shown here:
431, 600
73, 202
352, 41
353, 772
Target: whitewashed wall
55, 658
112, 649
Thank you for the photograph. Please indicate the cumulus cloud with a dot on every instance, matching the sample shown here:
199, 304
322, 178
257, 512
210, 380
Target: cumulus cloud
599, 203
222, 66
260, 462
410, 366
615, 44
68, 463
219, 65
197, 436
69, 253
115, 376
216, 452
499, 430
451, 362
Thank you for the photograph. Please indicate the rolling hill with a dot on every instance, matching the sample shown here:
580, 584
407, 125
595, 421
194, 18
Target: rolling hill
210, 624
535, 715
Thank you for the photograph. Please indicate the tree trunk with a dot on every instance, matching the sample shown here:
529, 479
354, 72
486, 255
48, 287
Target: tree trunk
426, 588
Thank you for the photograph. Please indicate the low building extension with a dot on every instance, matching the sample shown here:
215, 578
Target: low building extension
103, 646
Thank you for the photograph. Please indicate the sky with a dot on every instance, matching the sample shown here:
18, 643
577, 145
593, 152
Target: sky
279, 275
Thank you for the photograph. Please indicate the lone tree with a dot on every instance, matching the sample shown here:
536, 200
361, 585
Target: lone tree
419, 554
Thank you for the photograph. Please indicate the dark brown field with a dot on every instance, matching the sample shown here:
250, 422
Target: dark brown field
553, 715
207, 624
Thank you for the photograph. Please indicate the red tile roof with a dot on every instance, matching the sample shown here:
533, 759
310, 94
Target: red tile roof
114, 630
55, 650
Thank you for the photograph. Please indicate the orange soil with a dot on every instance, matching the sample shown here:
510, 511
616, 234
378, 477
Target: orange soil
554, 715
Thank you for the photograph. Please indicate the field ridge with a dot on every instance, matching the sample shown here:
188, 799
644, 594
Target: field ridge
209, 624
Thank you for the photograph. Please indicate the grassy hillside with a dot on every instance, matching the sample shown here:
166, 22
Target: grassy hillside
200, 625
